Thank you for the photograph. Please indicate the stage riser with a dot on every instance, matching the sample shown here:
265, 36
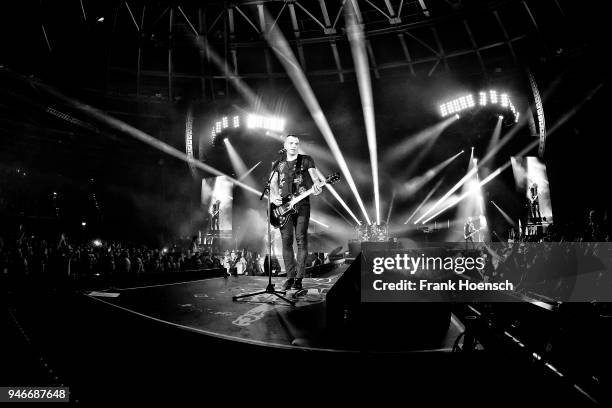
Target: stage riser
381, 325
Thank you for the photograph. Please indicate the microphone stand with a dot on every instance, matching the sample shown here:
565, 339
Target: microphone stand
270, 288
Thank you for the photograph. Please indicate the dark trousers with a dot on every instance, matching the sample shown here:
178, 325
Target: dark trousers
214, 223
296, 226
535, 211
469, 239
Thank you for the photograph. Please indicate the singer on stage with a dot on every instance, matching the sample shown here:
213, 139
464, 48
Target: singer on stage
294, 174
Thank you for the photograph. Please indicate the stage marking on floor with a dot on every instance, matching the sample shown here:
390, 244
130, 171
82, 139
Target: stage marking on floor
253, 315
257, 313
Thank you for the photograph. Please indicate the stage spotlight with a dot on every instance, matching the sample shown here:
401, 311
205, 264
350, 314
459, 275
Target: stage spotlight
100, 20
265, 122
482, 100
470, 101
501, 117
83, 223
251, 121
484, 97
493, 96
456, 105
97, 243
504, 100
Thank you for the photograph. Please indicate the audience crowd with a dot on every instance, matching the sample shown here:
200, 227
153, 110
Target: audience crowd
548, 263
567, 263
31, 255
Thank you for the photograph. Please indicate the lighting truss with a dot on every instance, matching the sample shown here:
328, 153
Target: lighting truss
252, 121
489, 97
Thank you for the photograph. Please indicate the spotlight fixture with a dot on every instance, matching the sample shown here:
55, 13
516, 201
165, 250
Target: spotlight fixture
489, 97
253, 121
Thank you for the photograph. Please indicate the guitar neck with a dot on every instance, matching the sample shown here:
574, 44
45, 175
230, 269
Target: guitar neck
302, 196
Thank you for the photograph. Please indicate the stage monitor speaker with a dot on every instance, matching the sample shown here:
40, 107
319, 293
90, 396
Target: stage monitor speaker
354, 248
382, 326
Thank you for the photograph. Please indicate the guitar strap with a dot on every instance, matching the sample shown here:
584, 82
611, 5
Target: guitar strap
299, 169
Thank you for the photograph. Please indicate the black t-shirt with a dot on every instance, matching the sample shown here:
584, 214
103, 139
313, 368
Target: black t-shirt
292, 180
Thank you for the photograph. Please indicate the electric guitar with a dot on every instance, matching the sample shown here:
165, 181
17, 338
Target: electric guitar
471, 233
279, 214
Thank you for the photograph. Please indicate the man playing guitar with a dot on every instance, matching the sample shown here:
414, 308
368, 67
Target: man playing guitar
214, 215
468, 232
295, 174
534, 203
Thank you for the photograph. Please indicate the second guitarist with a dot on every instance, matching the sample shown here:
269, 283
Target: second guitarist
214, 215
468, 232
295, 174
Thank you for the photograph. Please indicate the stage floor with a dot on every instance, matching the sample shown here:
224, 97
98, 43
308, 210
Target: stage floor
206, 306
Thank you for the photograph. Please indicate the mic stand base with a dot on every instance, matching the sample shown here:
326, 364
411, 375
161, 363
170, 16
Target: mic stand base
269, 290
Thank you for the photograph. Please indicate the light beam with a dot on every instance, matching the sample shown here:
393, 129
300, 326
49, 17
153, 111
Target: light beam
362, 71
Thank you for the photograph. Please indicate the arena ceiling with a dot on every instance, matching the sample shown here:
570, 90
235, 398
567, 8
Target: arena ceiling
144, 60
148, 62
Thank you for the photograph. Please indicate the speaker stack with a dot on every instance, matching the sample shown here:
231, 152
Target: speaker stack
382, 326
